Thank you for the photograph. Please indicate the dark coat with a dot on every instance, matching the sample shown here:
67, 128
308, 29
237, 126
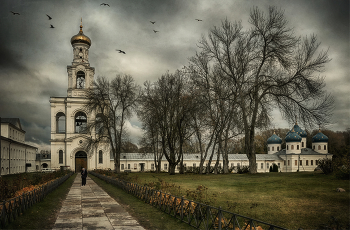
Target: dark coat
84, 173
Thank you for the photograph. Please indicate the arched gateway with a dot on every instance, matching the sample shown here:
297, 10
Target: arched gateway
80, 161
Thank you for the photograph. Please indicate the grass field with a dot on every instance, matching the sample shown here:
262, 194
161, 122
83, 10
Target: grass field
149, 217
306, 200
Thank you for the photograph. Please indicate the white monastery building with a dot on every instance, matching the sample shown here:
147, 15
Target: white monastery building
15, 155
69, 120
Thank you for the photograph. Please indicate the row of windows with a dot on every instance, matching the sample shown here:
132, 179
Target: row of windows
16, 135
128, 166
297, 147
319, 147
301, 162
80, 122
14, 169
14, 153
273, 148
292, 147
165, 166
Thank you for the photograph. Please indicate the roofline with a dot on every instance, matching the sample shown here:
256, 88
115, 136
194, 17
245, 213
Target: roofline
12, 141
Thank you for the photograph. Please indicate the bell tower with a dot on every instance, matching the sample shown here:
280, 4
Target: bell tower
80, 74
70, 118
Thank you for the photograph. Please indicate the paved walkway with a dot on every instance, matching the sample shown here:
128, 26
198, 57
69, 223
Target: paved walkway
89, 207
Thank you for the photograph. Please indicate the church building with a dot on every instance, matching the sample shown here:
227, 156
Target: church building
69, 117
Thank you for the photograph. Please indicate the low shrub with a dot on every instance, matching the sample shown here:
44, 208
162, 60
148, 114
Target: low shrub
325, 165
242, 169
342, 168
12, 183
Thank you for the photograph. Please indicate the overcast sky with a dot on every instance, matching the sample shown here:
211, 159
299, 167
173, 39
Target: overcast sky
34, 57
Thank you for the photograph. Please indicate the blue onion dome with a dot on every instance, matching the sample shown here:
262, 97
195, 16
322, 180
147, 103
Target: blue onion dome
319, 137
274, 139
299, 131
293, 137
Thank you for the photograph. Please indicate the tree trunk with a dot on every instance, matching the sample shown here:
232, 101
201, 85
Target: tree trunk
172, 169
250, 150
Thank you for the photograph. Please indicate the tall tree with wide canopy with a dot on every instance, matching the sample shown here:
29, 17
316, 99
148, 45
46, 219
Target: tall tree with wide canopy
268, 67
167, 102
113, 103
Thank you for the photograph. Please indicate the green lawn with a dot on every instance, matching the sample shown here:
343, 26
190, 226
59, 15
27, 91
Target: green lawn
292, 200
148, 216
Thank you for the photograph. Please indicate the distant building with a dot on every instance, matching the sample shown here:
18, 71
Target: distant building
16, 155
296, 157
43, 160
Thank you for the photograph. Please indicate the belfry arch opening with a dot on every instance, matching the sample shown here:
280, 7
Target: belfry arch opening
80, 80
80, 122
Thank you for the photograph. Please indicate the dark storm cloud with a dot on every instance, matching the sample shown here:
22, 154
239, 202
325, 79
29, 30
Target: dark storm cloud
33, 57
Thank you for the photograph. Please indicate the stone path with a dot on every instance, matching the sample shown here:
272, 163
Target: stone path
89, 207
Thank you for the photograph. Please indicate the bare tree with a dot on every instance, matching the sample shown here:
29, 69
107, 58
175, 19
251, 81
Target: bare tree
167, 102
151, 137
267, 67
113, 103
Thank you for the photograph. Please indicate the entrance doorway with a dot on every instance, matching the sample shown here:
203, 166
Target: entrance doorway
142, 166
80, 161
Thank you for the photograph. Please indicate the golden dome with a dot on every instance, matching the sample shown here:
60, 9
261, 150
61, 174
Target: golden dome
80, 37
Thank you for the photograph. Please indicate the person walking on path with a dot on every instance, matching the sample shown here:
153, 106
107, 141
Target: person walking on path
83, 177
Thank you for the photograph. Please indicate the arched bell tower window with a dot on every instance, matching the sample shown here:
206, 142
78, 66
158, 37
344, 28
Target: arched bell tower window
60, 123
80, 122
80, 80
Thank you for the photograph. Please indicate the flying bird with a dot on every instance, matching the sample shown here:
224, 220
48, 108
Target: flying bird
199, 20
49, 17
152, 22
104, 4
14, 13
51, 26
121, 51
155, 31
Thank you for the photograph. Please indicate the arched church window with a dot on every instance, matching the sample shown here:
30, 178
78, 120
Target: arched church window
60, 157
302, 144
100, 157
80, 122
60, 123
278, 148
319, 147
287, 147
325, 147
273, 148
297, 147
292, 147
80, 80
